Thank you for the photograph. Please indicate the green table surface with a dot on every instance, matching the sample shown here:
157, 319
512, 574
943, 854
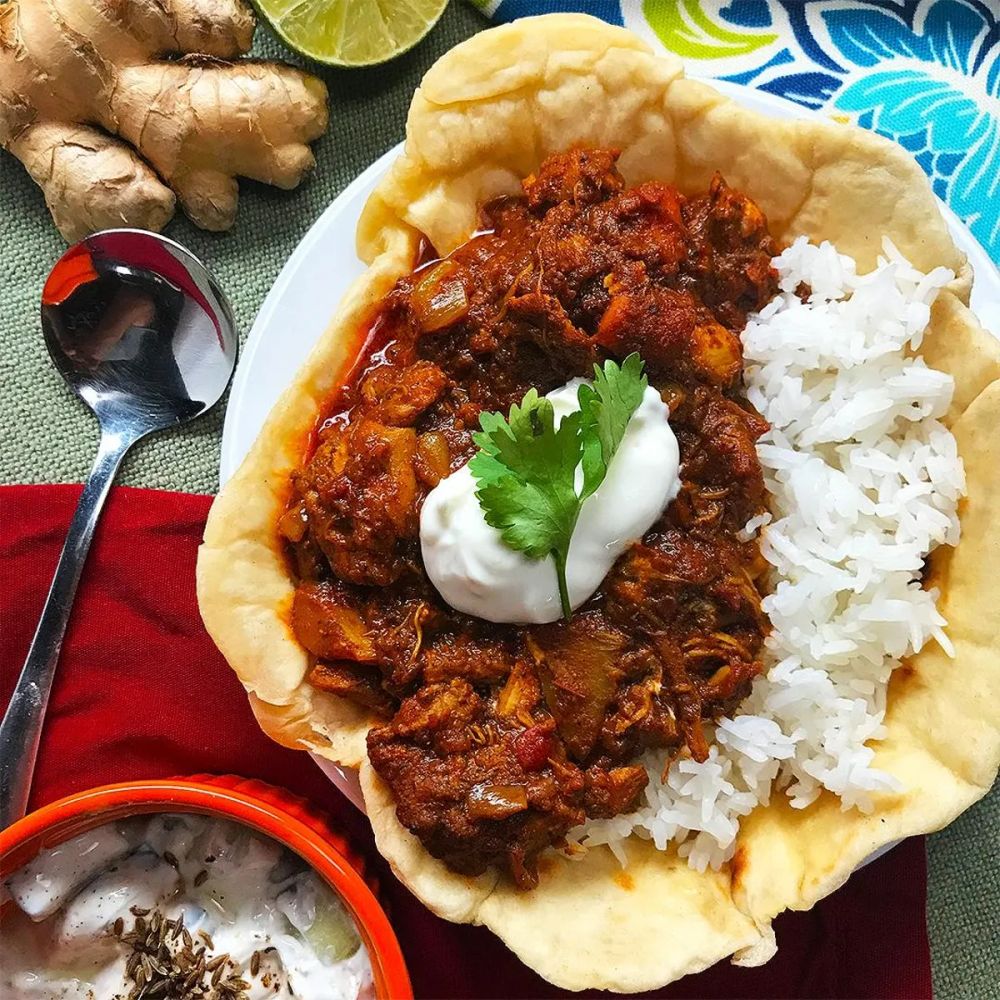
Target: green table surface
47, 436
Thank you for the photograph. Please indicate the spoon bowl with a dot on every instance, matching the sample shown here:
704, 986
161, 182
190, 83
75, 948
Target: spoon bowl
138, 328
140, 331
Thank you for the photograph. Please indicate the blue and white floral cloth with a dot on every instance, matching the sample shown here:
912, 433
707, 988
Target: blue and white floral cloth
925, 73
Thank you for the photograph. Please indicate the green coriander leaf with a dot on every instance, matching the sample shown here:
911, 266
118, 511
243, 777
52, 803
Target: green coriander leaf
486, 467
528, 442
526, 466
606, 407
525, 469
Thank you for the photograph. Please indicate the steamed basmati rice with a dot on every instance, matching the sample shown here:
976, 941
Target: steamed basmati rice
864, 481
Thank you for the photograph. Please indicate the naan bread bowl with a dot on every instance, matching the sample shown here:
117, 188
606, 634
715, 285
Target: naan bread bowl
485, 116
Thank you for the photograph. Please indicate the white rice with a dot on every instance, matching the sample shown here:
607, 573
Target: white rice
864, 481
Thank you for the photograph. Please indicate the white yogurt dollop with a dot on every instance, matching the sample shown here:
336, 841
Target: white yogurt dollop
475, 572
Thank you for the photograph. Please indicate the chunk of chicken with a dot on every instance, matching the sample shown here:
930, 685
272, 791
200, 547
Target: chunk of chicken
730, 253
328, 625
581, 176
359, 494
399, 396
354, 681
461, 783
673, 332
609, 793
578, 665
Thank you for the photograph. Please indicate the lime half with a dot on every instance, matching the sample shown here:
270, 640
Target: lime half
351, 32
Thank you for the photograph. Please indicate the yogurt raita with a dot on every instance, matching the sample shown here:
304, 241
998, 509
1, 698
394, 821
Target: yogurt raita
184, 893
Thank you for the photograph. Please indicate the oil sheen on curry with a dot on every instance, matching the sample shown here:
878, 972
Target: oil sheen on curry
496, 739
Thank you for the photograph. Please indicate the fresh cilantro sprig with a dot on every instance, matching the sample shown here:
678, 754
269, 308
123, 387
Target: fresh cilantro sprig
526, 465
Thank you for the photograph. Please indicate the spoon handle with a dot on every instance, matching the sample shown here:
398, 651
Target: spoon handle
21, 729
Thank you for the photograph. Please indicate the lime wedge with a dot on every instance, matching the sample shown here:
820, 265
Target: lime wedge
351, 32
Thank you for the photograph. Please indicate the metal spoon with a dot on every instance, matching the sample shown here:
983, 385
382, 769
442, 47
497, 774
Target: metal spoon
141, 332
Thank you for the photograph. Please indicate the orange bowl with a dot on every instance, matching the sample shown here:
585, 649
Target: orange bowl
271, 811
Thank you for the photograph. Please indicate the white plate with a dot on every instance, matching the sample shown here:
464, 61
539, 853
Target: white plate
304, 299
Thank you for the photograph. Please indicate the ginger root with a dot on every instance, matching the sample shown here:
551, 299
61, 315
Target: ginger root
74, 74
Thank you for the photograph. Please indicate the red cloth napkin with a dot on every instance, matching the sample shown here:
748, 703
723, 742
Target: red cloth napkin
143, 693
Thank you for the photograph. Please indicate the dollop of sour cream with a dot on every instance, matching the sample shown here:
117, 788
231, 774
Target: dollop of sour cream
475, 572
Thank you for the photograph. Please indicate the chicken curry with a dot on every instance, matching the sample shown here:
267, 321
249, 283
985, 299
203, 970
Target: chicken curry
497, 739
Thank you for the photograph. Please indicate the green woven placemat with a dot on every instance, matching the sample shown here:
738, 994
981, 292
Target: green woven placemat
46, 435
